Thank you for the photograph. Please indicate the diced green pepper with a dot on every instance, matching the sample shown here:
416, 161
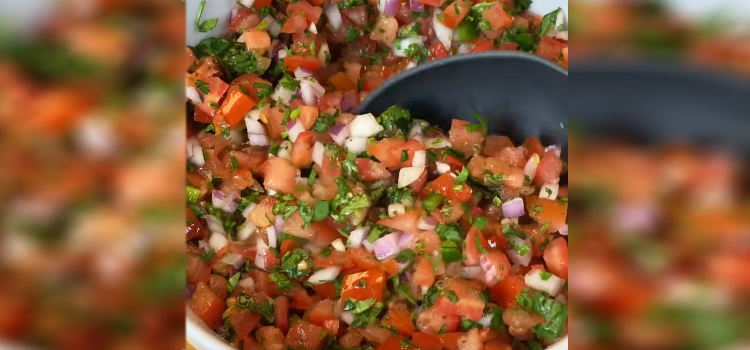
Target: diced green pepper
193, 194
466, 31
450, 252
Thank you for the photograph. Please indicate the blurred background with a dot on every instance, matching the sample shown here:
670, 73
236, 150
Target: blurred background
660, 248
91, 173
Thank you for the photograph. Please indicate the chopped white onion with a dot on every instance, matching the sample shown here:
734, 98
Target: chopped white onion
553, 148
364, 125
518, 243
463, 49
313, 28
396, 209
255, 114
347, 317
272, 238
549, 191
254, 126
420, 159
357, 236
437, 142
282, 52
285, 150
470, 272
552, 285
400, 46
214, 224
356, 145
368, 246
318, 153
218, 241
293, 129
443, 33
406, 176
301, 73
248, 283
411, 64
486, 320
442, 168
324, 276
563, 35
338, 245
513, 208
262, 249
531, 165
427, 223
193, 95
248, 210
416, 130
274, 29
283, 95
195, 152
311, 91
246, 231
259, 140
247, 3
334, 15
233, 259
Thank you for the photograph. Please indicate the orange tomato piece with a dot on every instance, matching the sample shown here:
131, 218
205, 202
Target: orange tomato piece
280, 175
400, 318
550, 49
455, 13
374, 280
305, 335
302, 150
556, 257
546, 210
497, 17
341, 81
307, 116
257, 40
403, 222
207, 306
505, 292
464, 140
312, 13
371, 170
426, 341
291, 63
445, 185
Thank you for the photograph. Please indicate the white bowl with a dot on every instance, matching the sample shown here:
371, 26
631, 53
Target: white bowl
198, 335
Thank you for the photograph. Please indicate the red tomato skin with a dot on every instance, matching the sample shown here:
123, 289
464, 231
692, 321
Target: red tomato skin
375, 283
425, 341
495, 267
403, 222
218, 285
556, 257
549, 169
291, 63
550, 48
302, 150
464, 140
243, 321
207, 306
423, 275
438, 51
505, 292
197, 270
281, 313
280, 175
305, 335
432, 320
445, 186
371, 170
471, 252
399, 317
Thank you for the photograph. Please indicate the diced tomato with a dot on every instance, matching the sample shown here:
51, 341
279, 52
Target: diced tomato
249, 343
403, 222
481, 44
445, 185
341, 81
550, 49
235, 105
390, 267
193, 227
432, 320
281, 313
218, 285
494, 144
305, 335
312, 13
375, 282
375, 333
435, 3
450, 340
330, 102
455, 13
533, 145
387, 151
469, 303
391, 343
326, 290
464, 140
438, 51
497, 17
565, 58
296, 23
399, 317
546, 210
280, 175
556, 257
332, 326
472, 247
295, 226
335, 258
505, 292
197, 270
350, 339
245, 19
424, 275
386, 30
275, 118
426, 341
260, 4
291, 63
257, 40
300, 299
307, 116
371, 170
302, 150
271, 338
320, 312
495, 267
497, 344
508, 47
549, 169
207, 306
262, 216
243, 321
324, 234
480, 167
362, 259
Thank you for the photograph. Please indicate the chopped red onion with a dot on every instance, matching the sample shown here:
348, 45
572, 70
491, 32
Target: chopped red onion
293, 129
420, 159
469, 272
334, 15
356, 145
406, 176
427, 223
555, 148
339, 133
348, 317
283, 95
531, 165
193, 95
348, 102
279, 223
324, 276
189, 290
563, 35
302, 72
400, 46
357, 236
217, 241
405, 240
364, 125
513, 208
368, 246
513, 255
415, 5
388, 7
233, 259
214, 224
386, 247
563, 230
260, 255
227, 203
311, 91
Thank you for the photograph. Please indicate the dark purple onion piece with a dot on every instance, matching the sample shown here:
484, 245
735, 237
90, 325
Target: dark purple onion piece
391, 7
348, 102
291, 124
232, 270
189, 290
416, 5
337, 129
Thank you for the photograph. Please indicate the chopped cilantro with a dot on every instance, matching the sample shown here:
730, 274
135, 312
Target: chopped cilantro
232, 282
352, 33
325, 121
449, 232
538, 208
282, 282
311, 178
395, 118
264, 90
266, 309
554, 313
203, 87
296, 263
545, 275
207, 24
432, 201
548, 22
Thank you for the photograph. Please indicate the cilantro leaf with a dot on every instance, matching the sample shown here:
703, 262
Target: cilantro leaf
265, 309
296, 263
554, 313
449, 232
282, 282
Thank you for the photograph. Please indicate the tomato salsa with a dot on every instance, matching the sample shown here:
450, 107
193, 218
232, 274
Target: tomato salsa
309, 227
